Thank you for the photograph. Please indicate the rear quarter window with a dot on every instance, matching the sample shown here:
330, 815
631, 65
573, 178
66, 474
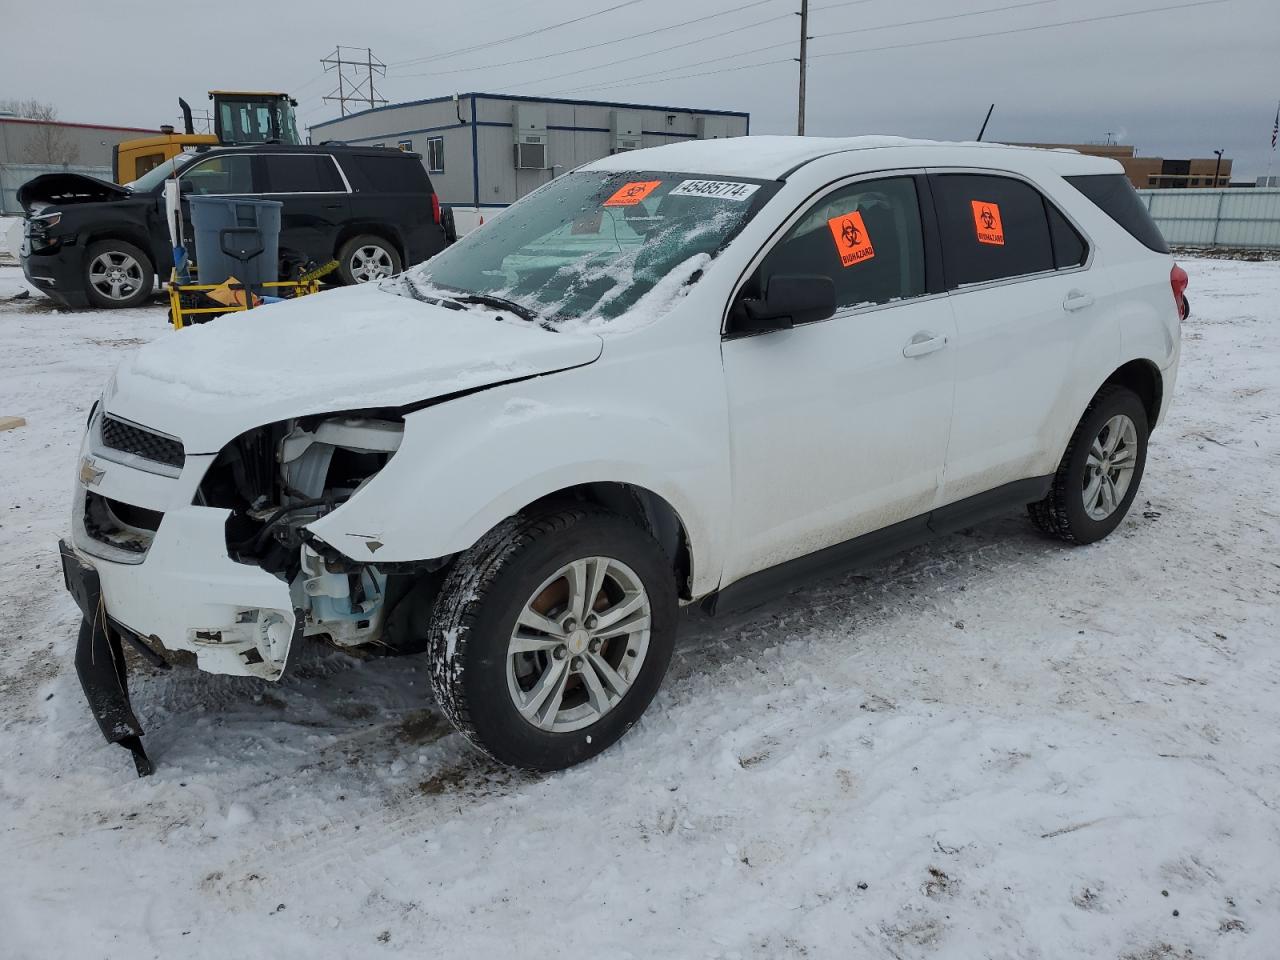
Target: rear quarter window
387, 173
1113, 194
992, 228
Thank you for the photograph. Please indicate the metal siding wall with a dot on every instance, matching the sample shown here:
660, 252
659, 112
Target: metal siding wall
1223, 218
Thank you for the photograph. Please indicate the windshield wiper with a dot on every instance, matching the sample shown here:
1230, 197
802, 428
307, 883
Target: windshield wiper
502, 303
434, 301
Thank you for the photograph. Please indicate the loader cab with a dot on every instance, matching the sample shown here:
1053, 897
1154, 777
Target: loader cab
245, 118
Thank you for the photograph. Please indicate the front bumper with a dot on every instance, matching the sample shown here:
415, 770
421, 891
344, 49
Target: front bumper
58, 275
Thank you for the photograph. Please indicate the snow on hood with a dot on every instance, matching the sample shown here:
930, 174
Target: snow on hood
340, 350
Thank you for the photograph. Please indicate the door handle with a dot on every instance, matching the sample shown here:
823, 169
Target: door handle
1077, 300
924, 342
333, 206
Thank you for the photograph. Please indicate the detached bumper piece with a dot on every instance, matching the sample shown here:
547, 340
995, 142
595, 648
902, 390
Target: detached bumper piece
100, 661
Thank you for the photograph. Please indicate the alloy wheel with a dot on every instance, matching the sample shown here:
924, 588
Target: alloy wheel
370, 262
579, 644
1109, 467
115, 275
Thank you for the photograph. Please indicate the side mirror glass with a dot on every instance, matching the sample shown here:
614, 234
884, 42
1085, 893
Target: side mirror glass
186, 186
788, 300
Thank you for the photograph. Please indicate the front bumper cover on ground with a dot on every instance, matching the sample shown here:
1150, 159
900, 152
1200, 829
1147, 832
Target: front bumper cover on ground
100, 661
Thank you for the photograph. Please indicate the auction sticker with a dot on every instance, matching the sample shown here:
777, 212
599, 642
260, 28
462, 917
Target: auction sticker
629, 194
853, 243
719, 189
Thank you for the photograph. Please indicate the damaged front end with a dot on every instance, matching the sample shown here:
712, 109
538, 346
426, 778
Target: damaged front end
277, 480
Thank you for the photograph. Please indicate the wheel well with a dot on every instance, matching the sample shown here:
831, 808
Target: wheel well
136, 240
649, 510
1143, 378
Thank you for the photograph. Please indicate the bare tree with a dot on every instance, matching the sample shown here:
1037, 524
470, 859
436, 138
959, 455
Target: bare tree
48, 142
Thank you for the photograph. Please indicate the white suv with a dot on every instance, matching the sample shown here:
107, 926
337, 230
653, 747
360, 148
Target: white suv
680, 375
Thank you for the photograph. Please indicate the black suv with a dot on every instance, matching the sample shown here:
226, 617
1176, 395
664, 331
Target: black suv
91, 243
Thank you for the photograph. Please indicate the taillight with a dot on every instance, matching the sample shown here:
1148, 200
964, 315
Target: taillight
1178, 281
435, 209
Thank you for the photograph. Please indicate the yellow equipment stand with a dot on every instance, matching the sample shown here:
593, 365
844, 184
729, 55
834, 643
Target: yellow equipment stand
185, 297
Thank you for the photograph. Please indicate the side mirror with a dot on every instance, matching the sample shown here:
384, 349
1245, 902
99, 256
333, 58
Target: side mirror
788, 300
186, 186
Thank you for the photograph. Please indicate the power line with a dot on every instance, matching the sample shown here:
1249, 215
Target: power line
616, 40
787, 43
517, 36
917, 43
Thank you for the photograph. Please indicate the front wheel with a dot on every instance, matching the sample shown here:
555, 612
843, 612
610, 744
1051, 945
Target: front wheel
367, 258
117, 274
1099, 475
551, 636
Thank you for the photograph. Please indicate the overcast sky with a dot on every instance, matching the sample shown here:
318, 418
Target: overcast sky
1175, 83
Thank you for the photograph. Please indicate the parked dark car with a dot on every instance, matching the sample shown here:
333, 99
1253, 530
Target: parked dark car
88, 242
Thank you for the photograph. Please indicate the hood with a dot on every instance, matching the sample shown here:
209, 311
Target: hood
68, 188
348, 349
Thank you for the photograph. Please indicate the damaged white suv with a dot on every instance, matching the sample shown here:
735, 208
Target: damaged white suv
678, 375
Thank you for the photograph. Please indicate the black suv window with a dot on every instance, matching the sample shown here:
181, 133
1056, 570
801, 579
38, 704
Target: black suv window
228, 173
866, 236
387, 173
1114, 195
302, 173
992, 228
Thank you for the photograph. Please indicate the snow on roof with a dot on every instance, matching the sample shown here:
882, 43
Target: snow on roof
770, 157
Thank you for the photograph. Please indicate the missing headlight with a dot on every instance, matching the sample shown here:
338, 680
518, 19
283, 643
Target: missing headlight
278, 478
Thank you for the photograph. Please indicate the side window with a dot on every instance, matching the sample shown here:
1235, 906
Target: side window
229, 173
866, 237
991, 227
387, 173
1069, 248
302, 173
435, 154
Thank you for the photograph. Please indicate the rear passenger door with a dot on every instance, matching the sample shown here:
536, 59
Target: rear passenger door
1024, 302
315, 203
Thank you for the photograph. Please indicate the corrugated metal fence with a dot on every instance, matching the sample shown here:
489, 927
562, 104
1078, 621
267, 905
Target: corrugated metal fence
1216, 218
14, 175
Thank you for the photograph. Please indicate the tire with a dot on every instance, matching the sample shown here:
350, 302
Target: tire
514, 571
1076, 511
366, 258
117, 274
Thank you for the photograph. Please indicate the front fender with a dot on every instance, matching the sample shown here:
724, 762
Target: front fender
469, 463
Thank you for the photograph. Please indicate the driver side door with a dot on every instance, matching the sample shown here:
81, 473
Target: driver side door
839, 428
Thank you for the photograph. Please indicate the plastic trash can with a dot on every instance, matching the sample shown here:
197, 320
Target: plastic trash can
225, 226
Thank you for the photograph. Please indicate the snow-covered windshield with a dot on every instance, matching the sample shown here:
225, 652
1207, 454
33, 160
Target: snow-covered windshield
590, 244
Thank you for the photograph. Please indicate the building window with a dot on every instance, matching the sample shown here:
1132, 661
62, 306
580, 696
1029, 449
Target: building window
405, 145
435, 154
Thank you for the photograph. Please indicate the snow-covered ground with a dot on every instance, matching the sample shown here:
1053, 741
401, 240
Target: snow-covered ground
991, 747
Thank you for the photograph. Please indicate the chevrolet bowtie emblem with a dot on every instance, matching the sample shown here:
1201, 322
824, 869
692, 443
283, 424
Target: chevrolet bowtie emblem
90, 475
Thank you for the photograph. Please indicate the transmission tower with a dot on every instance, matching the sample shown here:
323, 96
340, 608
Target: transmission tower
356, 74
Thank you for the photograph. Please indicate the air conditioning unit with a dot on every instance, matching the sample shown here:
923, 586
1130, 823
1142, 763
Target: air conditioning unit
713, 128
529, 122
625, 125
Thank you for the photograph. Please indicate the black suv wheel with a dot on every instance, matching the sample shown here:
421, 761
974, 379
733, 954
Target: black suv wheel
117, 274
365, 258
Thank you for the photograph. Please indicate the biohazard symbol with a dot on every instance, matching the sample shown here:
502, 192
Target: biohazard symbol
986, 221
629, 194
853, 243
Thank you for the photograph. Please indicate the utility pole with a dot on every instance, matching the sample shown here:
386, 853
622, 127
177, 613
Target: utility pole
804, 62
1217, 168
356, 76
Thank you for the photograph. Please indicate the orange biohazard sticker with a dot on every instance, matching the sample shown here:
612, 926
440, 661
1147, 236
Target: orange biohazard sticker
629, 194
853, 243
986, 220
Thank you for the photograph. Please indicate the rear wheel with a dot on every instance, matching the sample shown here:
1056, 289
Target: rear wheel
367, 258
551, 636
117, 274
1099, 475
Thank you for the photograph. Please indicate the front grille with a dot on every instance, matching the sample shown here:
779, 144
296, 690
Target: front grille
127, 438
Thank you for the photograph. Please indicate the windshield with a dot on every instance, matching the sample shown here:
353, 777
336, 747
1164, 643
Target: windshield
157, 175
590, 244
